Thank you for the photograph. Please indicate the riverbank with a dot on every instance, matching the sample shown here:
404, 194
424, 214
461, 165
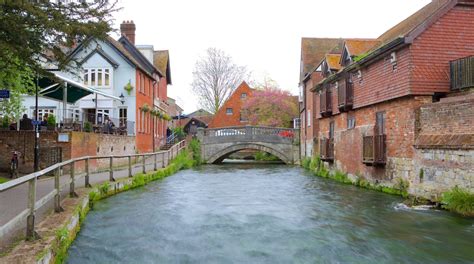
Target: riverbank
456, 200
57, 231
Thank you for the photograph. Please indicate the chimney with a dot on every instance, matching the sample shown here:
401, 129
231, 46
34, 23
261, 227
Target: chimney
127, 28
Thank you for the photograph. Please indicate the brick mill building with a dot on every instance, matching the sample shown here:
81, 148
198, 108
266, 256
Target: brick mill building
399, 107
231, 112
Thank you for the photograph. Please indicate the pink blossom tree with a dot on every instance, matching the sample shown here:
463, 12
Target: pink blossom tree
270, 106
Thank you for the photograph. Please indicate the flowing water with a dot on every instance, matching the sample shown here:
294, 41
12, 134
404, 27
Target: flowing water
248, 213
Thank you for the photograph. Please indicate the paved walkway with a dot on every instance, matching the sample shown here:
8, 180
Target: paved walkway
14, 201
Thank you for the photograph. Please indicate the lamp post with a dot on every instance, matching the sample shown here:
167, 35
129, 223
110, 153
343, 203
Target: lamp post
122, 98
36, 151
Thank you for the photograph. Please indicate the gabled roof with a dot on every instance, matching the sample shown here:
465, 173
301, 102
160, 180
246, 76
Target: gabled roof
356, 47
161, 60
200, 112
138, 56
104, 55
313, 51
333, 61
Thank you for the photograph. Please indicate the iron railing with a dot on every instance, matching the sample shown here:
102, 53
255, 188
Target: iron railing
57, 169
345, 95
325, 102
462, 73
374, 150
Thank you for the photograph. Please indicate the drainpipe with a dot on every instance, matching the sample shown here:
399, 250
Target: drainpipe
154, 118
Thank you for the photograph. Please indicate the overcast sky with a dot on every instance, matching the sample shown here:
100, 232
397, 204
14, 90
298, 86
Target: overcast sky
263, 35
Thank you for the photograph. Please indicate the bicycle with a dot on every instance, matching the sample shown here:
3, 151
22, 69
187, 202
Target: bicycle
14, 165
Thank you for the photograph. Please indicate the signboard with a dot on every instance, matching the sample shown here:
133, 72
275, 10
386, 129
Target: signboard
36, 123
63, 137
4, 94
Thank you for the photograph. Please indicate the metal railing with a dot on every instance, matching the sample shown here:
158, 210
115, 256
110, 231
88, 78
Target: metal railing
57, 169
462, 73
249, 134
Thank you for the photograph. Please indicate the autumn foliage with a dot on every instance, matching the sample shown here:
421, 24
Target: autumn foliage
271, 107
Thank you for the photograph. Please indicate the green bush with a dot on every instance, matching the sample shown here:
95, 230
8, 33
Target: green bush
87, 126
51, 121
5, 122
179, 132
195, 147
264, 156
459, 200
306, 162
104, 188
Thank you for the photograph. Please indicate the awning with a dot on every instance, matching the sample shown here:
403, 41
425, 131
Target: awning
54, 89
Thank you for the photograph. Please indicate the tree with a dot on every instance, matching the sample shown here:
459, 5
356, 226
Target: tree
215, 78
271, 106
33, 33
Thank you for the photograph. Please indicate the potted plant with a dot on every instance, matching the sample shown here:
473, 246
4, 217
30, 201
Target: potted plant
145, 108
51, 122
128, 87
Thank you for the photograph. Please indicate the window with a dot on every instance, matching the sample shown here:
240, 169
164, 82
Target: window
101, 114
123, 116
229, 111
350, 122
309, 119
296, 123
331, 129
380, 123
243, 96
42, 112
97, 77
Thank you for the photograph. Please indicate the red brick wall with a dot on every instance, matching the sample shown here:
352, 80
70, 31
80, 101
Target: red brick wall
144, 95
400, 131
221, 119
450, 38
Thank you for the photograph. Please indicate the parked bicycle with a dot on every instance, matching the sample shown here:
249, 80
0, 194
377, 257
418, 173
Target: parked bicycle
14, 165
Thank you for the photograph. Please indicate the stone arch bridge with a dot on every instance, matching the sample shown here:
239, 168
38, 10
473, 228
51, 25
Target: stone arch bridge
219, 143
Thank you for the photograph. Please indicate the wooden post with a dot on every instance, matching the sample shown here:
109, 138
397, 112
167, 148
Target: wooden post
144, 164
72, 192
111, 169
87, 184
57, 196
30, 222
130, 166
155, 165
163, 160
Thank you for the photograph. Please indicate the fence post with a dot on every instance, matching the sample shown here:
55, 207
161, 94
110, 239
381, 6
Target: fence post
129, 166
87, 184
163, 160
144, 164
156, 160
72, 192
30, 221
111, 169
57, 197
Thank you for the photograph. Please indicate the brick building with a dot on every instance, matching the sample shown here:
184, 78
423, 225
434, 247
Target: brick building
231, 112
368, 96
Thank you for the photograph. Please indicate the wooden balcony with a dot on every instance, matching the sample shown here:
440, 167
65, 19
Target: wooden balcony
325, 103
374, 150
462, 73
345, 96
326, 149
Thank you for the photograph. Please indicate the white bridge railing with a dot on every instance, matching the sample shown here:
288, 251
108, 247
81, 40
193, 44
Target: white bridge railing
35, 204
249, 133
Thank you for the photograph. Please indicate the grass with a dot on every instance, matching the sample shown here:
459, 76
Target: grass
459, 201
3, 180
316, 166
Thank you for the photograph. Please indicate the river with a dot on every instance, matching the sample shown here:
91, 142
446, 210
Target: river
249, 213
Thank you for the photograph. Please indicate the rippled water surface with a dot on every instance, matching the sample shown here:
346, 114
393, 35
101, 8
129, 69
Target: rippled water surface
248, 213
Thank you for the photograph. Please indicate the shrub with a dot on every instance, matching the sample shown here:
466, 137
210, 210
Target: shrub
179, 132
459, 200
195, 147
51, 121
5, 122
104, 188
87, 126
306, 162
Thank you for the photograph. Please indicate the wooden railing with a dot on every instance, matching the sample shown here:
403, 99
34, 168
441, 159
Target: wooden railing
249, 133
374, 150
57, 169
325, 103
345, 95
462, 73
326, 148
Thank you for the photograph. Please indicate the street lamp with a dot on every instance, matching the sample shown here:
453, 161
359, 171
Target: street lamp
122, 98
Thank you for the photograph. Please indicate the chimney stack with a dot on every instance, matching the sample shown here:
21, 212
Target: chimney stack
127, 28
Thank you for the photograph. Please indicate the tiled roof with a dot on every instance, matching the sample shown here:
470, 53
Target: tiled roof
313, 51
333, 61
357, 47
407, 25
160, 60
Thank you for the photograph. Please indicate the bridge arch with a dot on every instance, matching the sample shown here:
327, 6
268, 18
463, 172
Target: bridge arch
221, 154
